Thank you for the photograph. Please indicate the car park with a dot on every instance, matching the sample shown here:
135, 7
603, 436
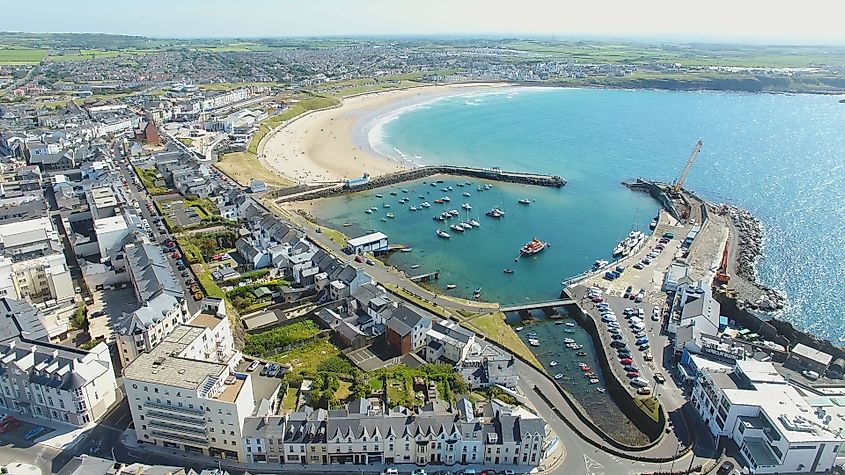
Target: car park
252, 366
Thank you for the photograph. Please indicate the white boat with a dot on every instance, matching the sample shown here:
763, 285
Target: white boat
601, 390
390, 215
629, 244
368, 211
406, 249
443, 234
379, 195
474, 223
495, 213
519, 329
466, 206
448, 188
454, 212
568, 340
386, 205
570, 324
534, 342
412, 208
488, 186
466, 193
425, 204
553, 364
446, 199
465, 225
524, 201
559, 376
415, 266
457, 228
404, 190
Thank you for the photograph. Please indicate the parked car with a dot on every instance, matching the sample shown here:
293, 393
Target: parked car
252, 366
390, 471
644, 347
725, 468
659, 378
810, 374
644, 391
639, 382
10, 425
638, 266
626, 361
633, 374
418, 471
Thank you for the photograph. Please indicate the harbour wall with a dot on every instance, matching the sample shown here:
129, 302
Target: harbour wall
656, 192
620, 394
427, 171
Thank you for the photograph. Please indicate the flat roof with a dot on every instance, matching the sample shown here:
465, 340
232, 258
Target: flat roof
813, 354
206, 320
231, 391
366, 239
114, 223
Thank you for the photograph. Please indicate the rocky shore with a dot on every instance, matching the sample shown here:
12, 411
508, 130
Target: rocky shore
751, 294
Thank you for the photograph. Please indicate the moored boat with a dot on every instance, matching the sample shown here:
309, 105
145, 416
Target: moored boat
474, 223
450, 286
466, 193
495, 213
425, 204
412, 208
524, 201
553, 363
406, 249
379, 195
532, 247
466, 206
446, 199
454, 212
457, 228
568, 340
508, 271
559, 376
415, 266
390, 215
386, 205
443, 234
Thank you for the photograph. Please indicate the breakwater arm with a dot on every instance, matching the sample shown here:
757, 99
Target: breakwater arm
492, 174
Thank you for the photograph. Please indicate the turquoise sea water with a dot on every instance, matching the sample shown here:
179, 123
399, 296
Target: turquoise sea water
780, 156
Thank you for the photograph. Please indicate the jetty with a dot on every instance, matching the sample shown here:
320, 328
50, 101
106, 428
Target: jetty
425, 277
491, 174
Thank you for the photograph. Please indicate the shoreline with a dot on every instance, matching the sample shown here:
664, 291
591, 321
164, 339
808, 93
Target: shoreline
331, 145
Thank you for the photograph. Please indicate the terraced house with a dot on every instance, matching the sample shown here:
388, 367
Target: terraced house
365, 432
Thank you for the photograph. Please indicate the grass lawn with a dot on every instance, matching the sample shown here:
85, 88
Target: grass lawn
186, 141
241, 166
343, 390
206, 282
290, 398
260, 343
204, 206
148, 178
494, 327
21, 56
308, 357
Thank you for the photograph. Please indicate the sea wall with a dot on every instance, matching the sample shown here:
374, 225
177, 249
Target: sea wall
656, 192
425, 172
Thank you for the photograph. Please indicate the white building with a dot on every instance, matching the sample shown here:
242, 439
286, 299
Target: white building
446, 340
374, 242
45, 380
189, 393
778, 428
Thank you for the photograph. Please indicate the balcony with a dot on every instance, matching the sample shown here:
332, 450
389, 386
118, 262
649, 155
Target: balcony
189, 431
178, 410
173, 418
179, 439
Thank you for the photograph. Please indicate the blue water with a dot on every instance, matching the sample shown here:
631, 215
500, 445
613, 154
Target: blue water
779, 156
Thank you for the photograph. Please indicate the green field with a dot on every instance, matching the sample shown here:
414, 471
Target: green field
21, 56
261, 343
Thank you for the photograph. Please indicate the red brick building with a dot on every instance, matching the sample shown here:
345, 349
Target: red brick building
147, 132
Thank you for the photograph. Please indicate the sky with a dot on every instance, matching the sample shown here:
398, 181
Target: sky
757, 21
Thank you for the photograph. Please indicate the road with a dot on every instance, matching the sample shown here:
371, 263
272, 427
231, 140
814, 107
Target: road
137, 193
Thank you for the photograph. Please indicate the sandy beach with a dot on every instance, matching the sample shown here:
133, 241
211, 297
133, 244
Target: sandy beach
321, 146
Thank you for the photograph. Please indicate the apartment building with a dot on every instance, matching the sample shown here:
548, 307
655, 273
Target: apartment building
365, 432
777, 427
192, 391
446, 341
32, 264
42, 379
162, 304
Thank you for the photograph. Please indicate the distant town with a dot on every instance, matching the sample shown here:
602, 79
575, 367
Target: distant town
164, 311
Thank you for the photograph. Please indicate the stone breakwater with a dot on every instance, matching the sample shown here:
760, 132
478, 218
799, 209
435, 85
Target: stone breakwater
428, 171
749, 249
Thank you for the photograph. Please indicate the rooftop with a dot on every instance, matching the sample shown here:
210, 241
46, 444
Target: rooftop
813, 354
206, 320
366, 239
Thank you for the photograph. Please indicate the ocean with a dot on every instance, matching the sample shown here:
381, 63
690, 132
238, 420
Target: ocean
778, 156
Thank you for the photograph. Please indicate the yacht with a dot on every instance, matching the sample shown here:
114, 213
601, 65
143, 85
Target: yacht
553, 364
466, 193
457, 228
454, 212
446, 199
386, 205
524, 201
368, 211
466, 206
437, 217
495, 213
443, 234
379, 195
474, 223
425, 204
412, 208
390, 215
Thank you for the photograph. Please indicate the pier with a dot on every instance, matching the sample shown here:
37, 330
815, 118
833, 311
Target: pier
492, 174
425, 277
538, 305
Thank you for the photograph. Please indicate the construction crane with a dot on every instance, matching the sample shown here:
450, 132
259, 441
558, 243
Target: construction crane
679, 183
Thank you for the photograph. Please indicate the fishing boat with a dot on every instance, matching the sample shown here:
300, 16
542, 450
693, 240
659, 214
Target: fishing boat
508, 271
415, 266
412, 208
379, 195
390, 215
446, 199
443, 234
457, 228
581, 353
553, 364
495, 213
466, 206
466, 193
439, 201
568, 340
425, 204
450, 286
559, 376
532, 247
406, 249
524, 201
474, 223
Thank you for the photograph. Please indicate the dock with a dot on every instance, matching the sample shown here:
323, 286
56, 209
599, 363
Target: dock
425, 277
491, 174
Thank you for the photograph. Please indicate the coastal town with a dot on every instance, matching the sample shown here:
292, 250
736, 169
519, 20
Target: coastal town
172, 302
